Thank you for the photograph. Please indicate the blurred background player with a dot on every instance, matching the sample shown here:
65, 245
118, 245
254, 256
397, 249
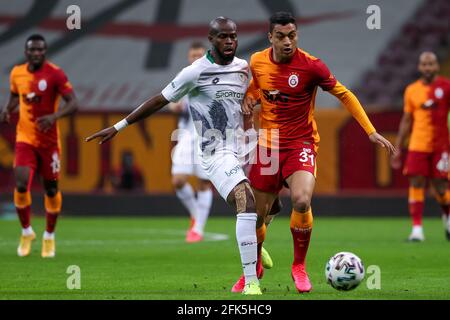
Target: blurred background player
426, 107
219, 71
36, 86
185, 163
285, 81
128, 177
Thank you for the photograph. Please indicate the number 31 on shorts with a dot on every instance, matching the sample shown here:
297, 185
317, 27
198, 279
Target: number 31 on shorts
306, 156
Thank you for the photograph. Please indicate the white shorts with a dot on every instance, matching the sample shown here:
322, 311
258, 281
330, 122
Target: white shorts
185, 159
224, 171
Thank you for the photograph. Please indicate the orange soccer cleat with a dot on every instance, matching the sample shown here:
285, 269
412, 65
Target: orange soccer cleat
48, 248
24, 248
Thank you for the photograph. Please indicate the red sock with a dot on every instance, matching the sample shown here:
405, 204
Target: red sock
22, 201
416, 212
51, 222
24, 216
301, 228
52, 210
416, 204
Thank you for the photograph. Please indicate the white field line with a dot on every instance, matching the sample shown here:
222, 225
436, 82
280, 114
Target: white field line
179, 234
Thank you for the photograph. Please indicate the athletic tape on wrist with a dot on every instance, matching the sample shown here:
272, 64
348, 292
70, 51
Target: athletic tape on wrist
122, 124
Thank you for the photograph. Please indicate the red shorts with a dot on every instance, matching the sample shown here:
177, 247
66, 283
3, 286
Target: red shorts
43, 160
271, 170
427, 164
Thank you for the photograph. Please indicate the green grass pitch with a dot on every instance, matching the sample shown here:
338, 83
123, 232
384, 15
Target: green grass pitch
146, 258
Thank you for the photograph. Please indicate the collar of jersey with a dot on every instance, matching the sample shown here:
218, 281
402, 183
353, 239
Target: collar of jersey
210, 57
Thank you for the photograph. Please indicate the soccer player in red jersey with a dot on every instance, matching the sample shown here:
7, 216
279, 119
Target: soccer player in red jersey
426, 108
285, 82
36, 87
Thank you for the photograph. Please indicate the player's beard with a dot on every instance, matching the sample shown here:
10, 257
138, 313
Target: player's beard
429, 77
225, 58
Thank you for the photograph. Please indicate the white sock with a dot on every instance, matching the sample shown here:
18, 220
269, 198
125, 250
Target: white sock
187, 198
27, 231
204, 202
417, 229
49, 236
246, 239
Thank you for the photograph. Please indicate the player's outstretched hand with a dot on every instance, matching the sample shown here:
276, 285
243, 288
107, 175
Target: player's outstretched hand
247, 105
4, 117
44, 123
379, 139
396, 160
104, 135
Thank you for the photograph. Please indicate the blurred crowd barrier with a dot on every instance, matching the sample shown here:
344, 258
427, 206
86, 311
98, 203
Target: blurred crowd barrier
347, 161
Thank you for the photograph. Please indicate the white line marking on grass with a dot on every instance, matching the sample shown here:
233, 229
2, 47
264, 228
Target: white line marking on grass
208, 237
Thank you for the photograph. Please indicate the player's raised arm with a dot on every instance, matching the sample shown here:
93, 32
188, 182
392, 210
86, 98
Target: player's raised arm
174, 91
12, 103
143, 111
352, 104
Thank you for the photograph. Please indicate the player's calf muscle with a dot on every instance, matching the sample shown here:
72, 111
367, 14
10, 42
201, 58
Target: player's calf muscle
242, 198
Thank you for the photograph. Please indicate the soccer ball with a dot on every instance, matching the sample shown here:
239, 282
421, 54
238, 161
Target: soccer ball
344, 271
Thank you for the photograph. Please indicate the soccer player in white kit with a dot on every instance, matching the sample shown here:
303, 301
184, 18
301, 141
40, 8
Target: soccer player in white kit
186, 163
215, 85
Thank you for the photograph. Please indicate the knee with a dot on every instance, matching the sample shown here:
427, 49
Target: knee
22, 184
441, 186
51, 192
21, 187
178, 182
301, 201
417, 182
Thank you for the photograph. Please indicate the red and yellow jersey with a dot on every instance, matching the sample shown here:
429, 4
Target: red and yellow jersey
39, 94
287, 93
429, 105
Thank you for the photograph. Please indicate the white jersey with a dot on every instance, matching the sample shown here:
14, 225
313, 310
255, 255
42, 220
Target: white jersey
185, 125
184, 119
215, 93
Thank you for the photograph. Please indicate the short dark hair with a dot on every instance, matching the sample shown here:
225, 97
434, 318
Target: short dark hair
35, 37
197, 45
282, 18
214, 25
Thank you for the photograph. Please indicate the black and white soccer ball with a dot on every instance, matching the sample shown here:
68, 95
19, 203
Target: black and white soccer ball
344, 271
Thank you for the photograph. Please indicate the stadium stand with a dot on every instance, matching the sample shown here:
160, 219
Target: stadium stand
142, 44
427, 29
